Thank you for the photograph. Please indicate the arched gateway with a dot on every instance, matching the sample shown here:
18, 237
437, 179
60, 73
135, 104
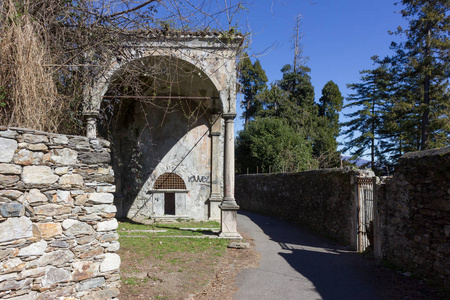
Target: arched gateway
178, 127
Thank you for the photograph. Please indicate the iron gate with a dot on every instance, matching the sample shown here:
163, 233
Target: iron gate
365, 213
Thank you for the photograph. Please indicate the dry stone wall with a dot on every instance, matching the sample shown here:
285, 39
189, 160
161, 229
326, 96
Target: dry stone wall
323, 200
57, 228
414, 213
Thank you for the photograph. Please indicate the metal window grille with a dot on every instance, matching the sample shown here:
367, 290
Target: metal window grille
169, 181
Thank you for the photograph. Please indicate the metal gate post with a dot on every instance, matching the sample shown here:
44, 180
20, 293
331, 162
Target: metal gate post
365, 212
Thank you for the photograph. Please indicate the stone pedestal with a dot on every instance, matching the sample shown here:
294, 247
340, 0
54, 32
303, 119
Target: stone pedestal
228, 227
214, 207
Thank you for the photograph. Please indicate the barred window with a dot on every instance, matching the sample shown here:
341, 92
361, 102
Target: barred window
169, 181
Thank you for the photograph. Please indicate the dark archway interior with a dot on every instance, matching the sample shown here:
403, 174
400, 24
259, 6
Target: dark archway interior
152, 104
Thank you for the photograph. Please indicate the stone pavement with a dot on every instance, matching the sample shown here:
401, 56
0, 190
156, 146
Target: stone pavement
297, 264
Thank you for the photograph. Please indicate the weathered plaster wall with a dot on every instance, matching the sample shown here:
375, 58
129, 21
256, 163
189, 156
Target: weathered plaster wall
57, 228
323, 200
414, 213
150, 142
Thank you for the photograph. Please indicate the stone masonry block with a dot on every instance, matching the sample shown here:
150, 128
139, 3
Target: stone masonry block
102, 198
8, 210
15, 228
110, 263
10, 169
38, 175
7, 149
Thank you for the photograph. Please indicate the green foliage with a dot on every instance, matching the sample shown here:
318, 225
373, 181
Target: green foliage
330, 104
297, 83
289, 126
252, 79
271, 143
292, 99
327, 130
296, 103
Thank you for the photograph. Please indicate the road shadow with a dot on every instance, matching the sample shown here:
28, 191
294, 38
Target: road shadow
335, 271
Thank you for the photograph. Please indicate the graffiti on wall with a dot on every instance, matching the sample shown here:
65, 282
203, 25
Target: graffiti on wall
198, 178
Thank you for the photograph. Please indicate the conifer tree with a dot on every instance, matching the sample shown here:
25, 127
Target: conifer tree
423, 65
369, 99
328, 127
252, 79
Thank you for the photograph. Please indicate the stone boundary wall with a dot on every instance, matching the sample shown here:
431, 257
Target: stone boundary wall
323, 200
414, 214
57, 228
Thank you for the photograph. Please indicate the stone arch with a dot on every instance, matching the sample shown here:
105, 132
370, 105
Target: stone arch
218, 69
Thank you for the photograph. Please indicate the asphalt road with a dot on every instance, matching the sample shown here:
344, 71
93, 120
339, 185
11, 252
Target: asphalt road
297, 264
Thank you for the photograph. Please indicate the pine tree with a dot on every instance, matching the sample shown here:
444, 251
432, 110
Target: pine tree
400, 123
252, 79
369, 99
424, 66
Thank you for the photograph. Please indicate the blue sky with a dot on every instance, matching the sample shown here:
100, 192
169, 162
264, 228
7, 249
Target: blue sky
339, 37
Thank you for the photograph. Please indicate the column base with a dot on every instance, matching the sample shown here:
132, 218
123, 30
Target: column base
228, 228
229, 203
230, 236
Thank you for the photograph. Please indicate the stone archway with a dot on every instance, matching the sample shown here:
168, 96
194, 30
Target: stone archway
205, 72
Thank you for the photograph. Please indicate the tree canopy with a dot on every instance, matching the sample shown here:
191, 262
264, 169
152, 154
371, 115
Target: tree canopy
298, 125
328, 127
403, 104
269, 144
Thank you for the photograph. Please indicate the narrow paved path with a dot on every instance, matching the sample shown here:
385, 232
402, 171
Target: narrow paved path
297, 264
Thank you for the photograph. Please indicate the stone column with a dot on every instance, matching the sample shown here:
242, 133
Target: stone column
91, 124
216, 198
229, 207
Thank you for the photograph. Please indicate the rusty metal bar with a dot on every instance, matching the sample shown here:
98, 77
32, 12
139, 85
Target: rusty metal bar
161, 97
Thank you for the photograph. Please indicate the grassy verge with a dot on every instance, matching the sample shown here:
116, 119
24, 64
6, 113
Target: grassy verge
170, 264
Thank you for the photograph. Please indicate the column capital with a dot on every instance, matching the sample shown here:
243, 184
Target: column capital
91, 125
228, 116
91, 113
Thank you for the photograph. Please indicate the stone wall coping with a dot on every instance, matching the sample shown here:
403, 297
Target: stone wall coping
427, 153
316, 171
33, 131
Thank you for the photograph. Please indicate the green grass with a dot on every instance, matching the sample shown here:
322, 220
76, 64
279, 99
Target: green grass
161, 247
164, 248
